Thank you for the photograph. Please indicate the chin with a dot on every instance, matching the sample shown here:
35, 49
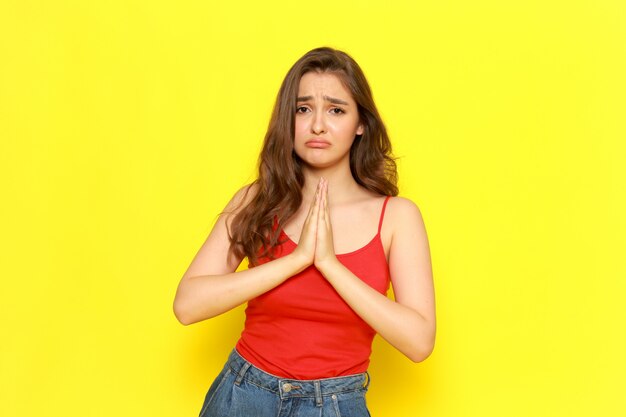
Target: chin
318, 164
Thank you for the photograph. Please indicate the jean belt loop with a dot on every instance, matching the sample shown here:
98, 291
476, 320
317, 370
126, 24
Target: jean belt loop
366, 383
318, 393
241, 373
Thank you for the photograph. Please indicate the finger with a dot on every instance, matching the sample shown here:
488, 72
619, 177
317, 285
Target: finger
326, 209
314, 202
321, 202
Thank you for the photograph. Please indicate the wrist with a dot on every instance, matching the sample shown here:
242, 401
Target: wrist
299, 262
327, 265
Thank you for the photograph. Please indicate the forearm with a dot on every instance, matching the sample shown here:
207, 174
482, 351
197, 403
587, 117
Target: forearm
202, 297
403, 327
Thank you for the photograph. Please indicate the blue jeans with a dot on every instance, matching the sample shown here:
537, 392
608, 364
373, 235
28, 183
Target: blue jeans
242, 390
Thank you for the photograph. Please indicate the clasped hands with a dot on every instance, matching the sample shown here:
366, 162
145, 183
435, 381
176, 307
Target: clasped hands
316, 240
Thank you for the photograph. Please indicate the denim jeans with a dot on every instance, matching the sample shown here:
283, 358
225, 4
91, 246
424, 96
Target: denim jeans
242, 390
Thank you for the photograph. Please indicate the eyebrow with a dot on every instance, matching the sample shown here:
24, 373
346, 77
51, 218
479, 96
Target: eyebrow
327, 98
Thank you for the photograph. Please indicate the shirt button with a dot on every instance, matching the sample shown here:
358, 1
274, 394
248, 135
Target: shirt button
334, 397
287, 387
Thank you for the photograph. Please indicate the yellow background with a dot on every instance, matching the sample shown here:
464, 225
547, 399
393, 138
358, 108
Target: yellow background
126, 126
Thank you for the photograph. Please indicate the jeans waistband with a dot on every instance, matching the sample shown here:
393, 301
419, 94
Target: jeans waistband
287, 387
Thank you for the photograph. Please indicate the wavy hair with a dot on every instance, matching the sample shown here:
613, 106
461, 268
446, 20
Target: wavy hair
280, 179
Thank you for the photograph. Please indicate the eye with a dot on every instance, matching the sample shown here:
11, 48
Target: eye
299, 108
340, 111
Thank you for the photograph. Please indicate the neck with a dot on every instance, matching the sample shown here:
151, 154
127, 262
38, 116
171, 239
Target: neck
341, 184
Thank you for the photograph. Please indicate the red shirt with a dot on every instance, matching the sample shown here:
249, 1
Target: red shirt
303, 329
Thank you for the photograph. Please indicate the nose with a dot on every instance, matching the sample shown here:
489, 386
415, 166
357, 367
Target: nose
319, 123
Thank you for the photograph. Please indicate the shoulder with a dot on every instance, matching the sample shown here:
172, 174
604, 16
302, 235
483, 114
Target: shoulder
242, 197
398, 207
409, 251
237, 203
403, 215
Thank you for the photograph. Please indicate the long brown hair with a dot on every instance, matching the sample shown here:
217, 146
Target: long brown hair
280, 181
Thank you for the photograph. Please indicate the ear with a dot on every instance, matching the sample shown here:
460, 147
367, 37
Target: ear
360, 129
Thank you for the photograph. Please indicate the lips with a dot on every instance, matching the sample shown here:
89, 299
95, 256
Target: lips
317, 143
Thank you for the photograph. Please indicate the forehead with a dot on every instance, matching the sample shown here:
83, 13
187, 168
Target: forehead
320, 84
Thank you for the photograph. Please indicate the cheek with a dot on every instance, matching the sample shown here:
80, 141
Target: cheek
300, 129
347, 131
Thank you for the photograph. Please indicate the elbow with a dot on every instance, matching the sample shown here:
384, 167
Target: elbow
181, 314
184, 321
421, 350
183, 307
186, 313
421, 354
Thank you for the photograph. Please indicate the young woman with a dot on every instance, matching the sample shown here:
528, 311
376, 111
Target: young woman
325, 234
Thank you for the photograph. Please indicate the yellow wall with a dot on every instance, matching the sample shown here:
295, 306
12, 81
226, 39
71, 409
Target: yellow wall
126, 126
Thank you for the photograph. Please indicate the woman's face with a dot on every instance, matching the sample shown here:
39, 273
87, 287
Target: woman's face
327, 120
